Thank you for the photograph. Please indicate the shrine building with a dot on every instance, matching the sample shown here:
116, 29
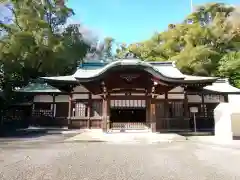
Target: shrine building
129, 94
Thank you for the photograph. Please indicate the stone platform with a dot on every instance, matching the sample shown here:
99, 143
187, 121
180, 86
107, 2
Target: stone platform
116, 137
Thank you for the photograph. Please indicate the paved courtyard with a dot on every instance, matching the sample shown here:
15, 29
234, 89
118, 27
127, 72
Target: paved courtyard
50, 159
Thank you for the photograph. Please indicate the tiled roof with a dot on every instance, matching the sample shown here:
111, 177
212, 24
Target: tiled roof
222, 86
164, 70
38, 88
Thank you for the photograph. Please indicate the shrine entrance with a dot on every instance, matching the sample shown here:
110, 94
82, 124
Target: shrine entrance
128, 114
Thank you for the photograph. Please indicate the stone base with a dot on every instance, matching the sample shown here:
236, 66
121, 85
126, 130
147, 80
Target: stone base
223, 137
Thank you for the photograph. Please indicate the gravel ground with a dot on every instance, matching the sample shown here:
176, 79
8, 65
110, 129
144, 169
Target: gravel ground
102, 161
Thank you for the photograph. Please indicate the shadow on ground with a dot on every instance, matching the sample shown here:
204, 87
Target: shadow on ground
25, 133
31, 132
187, 134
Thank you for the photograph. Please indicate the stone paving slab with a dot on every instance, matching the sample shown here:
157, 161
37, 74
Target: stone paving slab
215, 141
127, 137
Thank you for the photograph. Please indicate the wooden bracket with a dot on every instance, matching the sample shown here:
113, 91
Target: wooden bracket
104, 88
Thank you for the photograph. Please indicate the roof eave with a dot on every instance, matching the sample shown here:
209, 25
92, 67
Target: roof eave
221, 92
210, 80
47, 79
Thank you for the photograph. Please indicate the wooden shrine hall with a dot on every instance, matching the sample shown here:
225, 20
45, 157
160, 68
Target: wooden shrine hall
128, 94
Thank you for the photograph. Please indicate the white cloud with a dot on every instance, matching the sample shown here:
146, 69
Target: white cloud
89, 33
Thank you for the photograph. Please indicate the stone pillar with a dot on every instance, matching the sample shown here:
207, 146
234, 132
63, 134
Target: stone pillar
153, 114
223, 123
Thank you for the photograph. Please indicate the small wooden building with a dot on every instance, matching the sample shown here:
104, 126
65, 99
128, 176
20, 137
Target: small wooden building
131, 94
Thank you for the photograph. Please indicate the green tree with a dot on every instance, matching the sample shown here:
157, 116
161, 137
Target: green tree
108, 45
230, 67
200, 44
37, 41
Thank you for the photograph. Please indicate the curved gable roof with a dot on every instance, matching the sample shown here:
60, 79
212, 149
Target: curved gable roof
164, 70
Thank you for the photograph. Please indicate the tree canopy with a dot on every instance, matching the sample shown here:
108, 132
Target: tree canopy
36, 40
207, 43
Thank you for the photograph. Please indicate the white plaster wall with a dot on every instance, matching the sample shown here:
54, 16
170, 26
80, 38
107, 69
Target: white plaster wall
80, 96
43, 98
171, 96
96, 96
117, 94
194, 98
235, 117
213, 99
177, 89
62, 98
80, 88
161, 96
138, 94
207, 99
234, 98
175, 96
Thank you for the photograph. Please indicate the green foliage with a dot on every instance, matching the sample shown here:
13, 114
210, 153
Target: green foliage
206, 43
108, 43
38, 42
230, 67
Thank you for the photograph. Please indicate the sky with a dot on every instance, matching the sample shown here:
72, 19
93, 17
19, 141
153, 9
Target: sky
132, 21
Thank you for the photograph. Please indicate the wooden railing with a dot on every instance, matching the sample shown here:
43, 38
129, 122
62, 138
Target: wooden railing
129, 125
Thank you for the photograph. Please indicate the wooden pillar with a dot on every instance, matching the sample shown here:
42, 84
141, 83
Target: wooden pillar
153, 114
89, 110
148, 101
185, 104
104, 114
225, 97
186, 116
54, 105
203, 106
108, 113
166, 111
69, 109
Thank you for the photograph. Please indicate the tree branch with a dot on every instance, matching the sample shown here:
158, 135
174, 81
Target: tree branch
15, 17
